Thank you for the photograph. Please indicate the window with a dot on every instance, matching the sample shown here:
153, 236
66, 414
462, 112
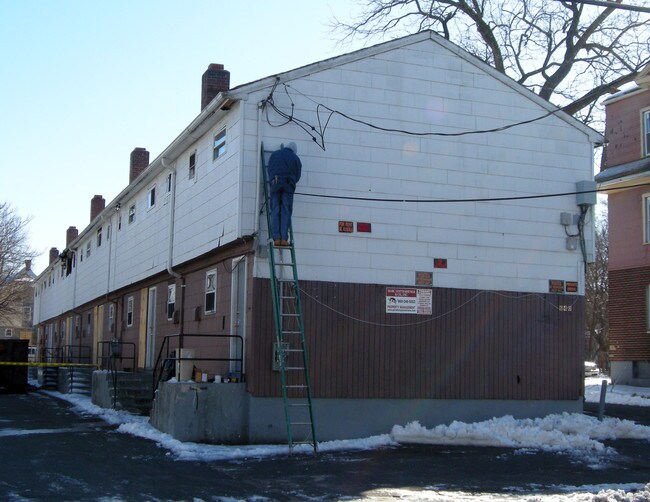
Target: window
647, 308
211, 292
8, 333
646, 218
88, 250
192, 168
99, 236
89, 326
111, 317
129, 311
171, 301
132, 213
646, 132
168, 184
27, 316
151, 198
219, 145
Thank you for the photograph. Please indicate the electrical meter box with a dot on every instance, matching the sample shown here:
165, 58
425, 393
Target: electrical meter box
589, 198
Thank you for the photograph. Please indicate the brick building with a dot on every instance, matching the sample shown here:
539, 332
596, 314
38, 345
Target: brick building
625, 175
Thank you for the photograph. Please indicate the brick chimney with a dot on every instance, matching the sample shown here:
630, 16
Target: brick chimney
28, 265
139, 162
71, 234
97, 205
54, 255
214, 80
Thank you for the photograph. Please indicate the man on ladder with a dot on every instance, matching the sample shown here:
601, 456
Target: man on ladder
284, 169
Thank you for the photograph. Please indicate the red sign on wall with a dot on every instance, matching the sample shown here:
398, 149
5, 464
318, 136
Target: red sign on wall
571, 287
346, 227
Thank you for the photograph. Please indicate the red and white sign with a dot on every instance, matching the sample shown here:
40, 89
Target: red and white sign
408, 301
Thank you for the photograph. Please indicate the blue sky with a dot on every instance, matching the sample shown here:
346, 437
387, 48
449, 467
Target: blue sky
84, 82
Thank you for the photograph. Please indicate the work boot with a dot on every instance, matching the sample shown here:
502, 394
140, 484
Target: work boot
277, 242
284, 243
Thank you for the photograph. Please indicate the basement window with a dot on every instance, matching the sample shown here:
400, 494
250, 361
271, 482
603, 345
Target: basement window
219, 145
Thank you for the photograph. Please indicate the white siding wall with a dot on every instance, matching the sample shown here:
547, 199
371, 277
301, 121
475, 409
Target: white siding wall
509, 245
207, 207
206, 216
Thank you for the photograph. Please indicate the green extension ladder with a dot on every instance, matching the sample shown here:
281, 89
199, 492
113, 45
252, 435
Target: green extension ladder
290, 352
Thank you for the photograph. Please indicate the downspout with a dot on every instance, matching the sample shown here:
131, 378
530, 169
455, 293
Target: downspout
258, 166
170, 250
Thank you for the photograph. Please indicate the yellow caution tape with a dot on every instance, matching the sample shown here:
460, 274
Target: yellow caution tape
9, 363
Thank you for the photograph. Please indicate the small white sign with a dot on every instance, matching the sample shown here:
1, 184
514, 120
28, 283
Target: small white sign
408, 301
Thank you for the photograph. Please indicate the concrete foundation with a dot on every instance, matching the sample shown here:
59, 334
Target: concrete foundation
202, 412
635, 373
227, 414
101, 389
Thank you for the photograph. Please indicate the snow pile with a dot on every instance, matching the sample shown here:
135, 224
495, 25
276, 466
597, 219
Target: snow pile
588, 493
616, 394
555, 433
565, 432
206, 452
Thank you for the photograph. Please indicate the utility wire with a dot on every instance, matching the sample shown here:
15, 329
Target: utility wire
317, 133
438, 316
487, 199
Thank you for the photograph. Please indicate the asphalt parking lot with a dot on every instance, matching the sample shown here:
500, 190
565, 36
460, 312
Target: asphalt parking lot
51, 452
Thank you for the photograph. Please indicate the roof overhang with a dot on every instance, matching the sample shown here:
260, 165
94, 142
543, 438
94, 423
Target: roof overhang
625, 175
643, 80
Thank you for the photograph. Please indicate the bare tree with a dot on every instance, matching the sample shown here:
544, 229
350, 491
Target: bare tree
596, 296
14, 250
566, 52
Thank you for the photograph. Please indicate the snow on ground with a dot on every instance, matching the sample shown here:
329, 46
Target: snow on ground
563, 433
616, 394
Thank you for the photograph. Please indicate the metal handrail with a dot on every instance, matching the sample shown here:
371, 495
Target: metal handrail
82, 353
110, 350
160, 361
50, 355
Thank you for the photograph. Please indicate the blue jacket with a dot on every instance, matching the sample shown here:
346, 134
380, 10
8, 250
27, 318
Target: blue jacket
285, 164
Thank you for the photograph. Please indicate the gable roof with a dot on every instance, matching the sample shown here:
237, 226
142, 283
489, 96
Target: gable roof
242, 90
643, 79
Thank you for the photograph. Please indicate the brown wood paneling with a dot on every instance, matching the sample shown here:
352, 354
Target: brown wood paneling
475, 345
